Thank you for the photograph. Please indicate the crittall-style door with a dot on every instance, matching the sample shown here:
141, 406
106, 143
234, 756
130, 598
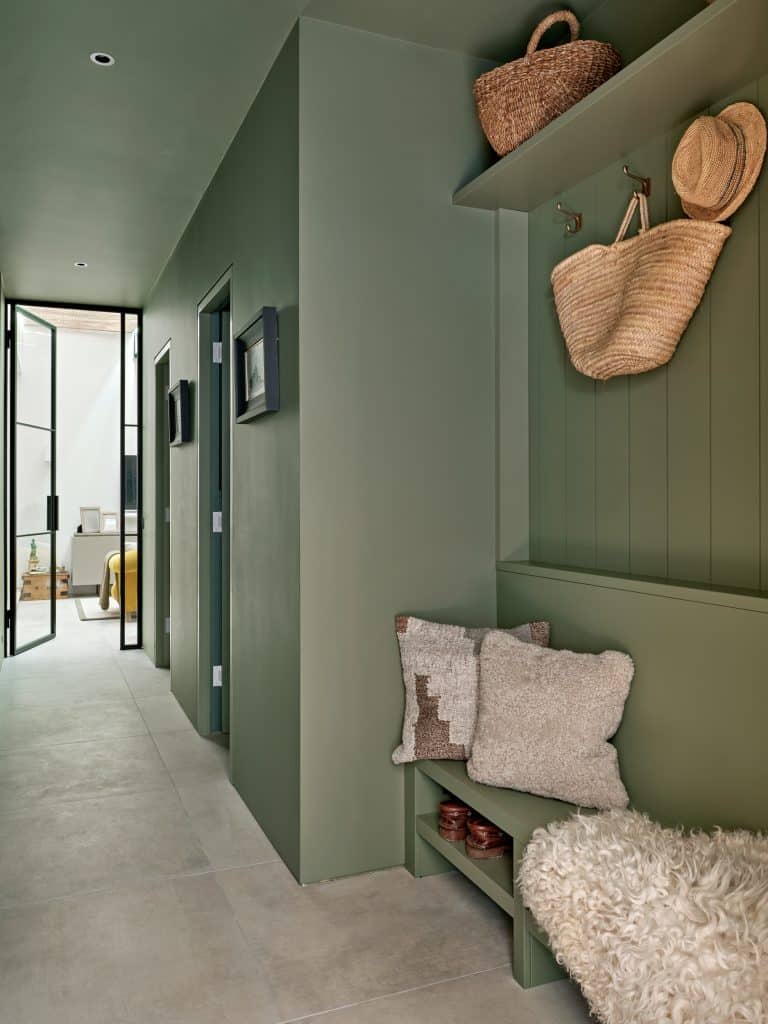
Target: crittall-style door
33, 504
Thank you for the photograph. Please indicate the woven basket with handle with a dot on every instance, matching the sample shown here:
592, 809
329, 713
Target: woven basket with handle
624, 307
517, 100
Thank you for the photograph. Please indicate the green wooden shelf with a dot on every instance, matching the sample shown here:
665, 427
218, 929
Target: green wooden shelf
699, 593
712, 55
515, 812
494, 877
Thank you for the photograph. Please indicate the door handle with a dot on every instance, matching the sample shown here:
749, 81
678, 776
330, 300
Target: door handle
52, 513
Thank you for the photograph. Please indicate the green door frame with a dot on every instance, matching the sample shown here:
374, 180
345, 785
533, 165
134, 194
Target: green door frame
162, 510
214, 426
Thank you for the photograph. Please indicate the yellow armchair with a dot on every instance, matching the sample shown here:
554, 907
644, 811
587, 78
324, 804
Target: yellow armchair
131, 562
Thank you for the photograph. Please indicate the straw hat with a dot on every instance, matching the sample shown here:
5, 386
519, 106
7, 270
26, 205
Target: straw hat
718, 161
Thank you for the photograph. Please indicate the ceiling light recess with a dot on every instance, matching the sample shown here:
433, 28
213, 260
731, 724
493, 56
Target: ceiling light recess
81, 264
104, 60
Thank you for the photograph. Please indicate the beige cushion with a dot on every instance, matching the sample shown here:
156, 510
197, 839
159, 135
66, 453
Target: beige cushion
544, 720
440, 672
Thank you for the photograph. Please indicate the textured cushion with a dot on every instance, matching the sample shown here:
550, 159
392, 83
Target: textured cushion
544, 718
440, 671
655, 925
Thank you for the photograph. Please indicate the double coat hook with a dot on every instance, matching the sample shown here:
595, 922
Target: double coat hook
574, 222
644, 183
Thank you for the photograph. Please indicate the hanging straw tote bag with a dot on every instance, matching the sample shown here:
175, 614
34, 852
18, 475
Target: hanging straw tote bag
624, 307
517, 100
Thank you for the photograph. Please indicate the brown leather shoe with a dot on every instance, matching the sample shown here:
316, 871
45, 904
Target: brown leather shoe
486, 841
453, 820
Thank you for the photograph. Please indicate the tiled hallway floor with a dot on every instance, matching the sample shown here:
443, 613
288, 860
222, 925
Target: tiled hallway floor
136, 888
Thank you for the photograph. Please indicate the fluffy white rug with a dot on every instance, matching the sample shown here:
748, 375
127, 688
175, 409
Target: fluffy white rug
656, 926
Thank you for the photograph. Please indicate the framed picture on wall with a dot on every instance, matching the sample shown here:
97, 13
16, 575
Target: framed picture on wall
90, 519
179, 414
109, 522
257, 372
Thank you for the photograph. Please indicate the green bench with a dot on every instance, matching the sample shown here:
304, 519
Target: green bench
518, 814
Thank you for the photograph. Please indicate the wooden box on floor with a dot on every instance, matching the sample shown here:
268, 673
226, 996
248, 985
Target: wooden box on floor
36, 586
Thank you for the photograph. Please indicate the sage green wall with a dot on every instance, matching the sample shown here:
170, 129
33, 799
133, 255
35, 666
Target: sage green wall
664, 474
397, 416
3, 328
248, 219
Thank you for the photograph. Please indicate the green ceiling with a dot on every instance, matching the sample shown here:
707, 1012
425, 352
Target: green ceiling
107, 165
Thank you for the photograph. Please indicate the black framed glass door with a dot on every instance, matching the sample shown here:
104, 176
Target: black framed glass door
130, 480
33, 503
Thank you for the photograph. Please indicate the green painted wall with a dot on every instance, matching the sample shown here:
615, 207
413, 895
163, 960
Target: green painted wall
664, 474
3, 327
248, 219
397, 416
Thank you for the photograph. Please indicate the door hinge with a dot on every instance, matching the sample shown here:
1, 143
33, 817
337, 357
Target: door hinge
218, 675
7, 618
168, 515
168, 627
218, 351
218, 522
8, 338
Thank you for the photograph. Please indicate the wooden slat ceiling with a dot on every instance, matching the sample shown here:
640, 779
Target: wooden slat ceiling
81, 319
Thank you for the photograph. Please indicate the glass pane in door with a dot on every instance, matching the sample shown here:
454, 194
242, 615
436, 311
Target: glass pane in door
33, 509
130, 484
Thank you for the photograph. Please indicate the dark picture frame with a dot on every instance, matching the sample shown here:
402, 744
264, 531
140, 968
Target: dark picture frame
179, 414
257, 371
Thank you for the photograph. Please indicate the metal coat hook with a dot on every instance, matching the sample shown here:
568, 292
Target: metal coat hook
645, 183
575, 220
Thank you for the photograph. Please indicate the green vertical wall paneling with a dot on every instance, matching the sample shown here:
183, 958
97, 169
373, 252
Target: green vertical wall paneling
763, 285
682, 758
512, 356
648, 415
580, 409
248, 218
735, 401
397, 412
547, 248
665, 504
689, 454
611, 409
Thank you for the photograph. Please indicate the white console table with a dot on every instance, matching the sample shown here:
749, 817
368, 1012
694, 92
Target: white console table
88, 553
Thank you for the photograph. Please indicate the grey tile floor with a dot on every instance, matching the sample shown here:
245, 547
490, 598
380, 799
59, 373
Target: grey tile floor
136, 888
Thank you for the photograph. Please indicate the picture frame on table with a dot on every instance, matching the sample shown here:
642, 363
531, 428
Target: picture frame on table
90, 519
257, 368
179, 414
109, 522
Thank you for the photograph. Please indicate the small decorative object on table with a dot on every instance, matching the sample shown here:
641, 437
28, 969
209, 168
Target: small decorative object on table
519, 99
485, 840
453, 820
257, 377
33, 561
179, 414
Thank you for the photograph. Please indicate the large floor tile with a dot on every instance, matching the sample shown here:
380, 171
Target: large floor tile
190, 757
147, 681
327, 945
84, 845
167, 953
76, 771
163, 714
29, 728
493, 996
61, 664
225, 827
55, 689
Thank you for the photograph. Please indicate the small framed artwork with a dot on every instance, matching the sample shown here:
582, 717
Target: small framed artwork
179, 414
257, 373
90, 519
109, 522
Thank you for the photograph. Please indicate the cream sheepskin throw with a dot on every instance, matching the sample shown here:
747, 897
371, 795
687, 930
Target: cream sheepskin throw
656, 926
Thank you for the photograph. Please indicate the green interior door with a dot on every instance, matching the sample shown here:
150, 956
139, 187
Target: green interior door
33, 504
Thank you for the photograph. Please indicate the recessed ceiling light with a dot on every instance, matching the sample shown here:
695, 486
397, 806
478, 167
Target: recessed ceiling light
81, 264
104, 60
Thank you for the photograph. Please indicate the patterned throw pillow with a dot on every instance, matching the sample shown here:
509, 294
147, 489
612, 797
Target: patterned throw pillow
544, 721
441, 667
